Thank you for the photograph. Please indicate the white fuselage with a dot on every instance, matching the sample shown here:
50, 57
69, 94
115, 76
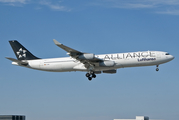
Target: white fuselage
121, 60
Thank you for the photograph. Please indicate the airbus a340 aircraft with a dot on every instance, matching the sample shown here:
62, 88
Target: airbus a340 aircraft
89, 62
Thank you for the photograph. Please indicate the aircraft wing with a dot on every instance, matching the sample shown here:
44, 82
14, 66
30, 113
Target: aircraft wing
82, 57
68, 49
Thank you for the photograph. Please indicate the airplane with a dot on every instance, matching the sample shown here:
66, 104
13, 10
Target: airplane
87, 62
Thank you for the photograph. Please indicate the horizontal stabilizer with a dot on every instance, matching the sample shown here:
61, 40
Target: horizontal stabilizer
17, 61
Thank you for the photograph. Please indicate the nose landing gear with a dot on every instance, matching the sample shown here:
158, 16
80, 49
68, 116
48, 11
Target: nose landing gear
157, 69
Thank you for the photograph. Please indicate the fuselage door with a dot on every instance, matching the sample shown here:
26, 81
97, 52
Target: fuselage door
41, 64
158, 55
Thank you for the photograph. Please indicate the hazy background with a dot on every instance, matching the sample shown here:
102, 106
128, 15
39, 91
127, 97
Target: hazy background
95, 26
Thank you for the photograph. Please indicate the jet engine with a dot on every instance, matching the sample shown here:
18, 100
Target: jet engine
87, 56
107, 64
110, 71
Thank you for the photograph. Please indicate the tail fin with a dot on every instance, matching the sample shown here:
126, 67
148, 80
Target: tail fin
21, 52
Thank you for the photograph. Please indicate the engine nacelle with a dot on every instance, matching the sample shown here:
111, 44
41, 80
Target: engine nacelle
107, 64
110, 71
87, 56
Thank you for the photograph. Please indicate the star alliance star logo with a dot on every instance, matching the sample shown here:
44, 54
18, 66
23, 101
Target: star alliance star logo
21, 53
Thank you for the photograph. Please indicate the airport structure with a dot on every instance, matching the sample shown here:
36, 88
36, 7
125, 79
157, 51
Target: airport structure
12, 117
137, 118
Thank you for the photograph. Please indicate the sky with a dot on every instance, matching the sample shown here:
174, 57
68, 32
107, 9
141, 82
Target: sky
99, 27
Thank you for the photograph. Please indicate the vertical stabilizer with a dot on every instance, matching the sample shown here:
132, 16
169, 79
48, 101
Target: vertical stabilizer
21, 52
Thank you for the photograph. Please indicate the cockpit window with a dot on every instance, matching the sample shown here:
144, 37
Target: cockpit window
167, 54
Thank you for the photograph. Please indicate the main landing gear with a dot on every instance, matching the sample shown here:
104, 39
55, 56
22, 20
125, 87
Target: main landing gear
157, 69
90, 75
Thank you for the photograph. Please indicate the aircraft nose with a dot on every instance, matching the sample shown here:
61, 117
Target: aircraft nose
172, 57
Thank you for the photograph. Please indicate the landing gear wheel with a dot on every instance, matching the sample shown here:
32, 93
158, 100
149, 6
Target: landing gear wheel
89, 78
87, 74
93, 75
90, 75
157, 69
